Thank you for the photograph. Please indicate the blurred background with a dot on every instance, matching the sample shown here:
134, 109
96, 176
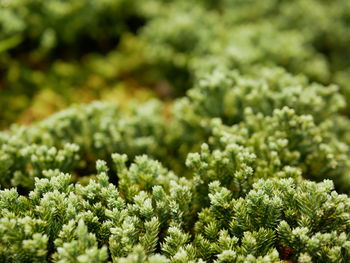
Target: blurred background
55, 53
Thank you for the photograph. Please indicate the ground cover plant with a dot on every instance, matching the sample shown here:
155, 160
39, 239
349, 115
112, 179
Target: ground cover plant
235, 150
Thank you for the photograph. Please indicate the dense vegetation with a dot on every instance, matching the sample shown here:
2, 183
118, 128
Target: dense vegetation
241, 155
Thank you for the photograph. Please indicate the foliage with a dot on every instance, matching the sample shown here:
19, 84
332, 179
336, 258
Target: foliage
134, 43
244, 157
230, 184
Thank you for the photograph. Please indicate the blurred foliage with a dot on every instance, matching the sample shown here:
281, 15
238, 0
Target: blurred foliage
54, 53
